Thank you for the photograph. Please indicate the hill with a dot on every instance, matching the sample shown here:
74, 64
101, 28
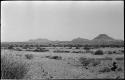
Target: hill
101, 39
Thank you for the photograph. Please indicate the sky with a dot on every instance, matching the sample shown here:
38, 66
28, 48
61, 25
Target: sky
61, 20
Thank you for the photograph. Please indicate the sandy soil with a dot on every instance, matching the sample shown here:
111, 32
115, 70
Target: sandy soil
66, 68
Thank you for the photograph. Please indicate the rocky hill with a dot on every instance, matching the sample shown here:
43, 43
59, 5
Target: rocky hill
101, 39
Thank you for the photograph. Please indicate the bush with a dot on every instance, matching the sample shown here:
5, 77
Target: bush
61, 51
77, 47
10, 47
110, 52
19, 55
12, 69
120, 69
29, 56
108, 58
84, 61
95, 63
18, 49
87, 61
122, 51
86, 47
105, 69
77, 51
41, 50
55, 57
47, 56
120, 58
114, 52
99, 52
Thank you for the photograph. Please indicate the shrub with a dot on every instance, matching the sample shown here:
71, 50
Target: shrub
61, 51
19, 55
89, 51
87, 61
114, 52
55, 57
120, 58
122, 51
13, 69
18, 49
99, 52
120, 69
96, 62
10, 47
47, 56
41, 50
76, 52
67, 51
86, 47
105, 69
108, 58
24, 47
110, 52
29, 56
77, 47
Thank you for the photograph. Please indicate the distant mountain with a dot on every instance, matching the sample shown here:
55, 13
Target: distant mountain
79, 40
40, 40
103, 37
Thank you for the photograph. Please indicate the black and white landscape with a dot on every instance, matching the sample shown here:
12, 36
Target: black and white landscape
62, 40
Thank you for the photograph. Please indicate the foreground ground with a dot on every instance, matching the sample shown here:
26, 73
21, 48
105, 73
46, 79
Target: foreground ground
49, 65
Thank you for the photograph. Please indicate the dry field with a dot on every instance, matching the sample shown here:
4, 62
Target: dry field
57, 65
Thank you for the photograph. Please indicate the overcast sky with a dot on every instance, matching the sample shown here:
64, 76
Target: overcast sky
61, 20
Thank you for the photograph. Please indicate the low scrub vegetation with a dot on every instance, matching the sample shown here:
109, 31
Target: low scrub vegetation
61, 51
104, 59
122, 51
110, 52
105, 69
78, 52
10, 47
29, 56
18, 49
54, 57
99, 52
120, 69
89, 61
12, 68
40, 50
120, 58
108, 58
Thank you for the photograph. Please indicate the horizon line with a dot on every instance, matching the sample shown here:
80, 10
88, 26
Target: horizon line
62, 40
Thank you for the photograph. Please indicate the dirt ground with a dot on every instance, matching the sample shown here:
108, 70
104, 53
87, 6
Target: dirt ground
68, 67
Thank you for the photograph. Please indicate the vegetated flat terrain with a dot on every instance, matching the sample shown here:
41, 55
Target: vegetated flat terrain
59, 65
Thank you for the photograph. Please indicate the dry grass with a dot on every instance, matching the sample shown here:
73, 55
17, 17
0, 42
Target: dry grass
88, 61
96, 64
29, 56
105, 69
11, 68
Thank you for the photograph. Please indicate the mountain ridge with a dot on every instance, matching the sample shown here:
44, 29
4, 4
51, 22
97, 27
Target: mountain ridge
101, 39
